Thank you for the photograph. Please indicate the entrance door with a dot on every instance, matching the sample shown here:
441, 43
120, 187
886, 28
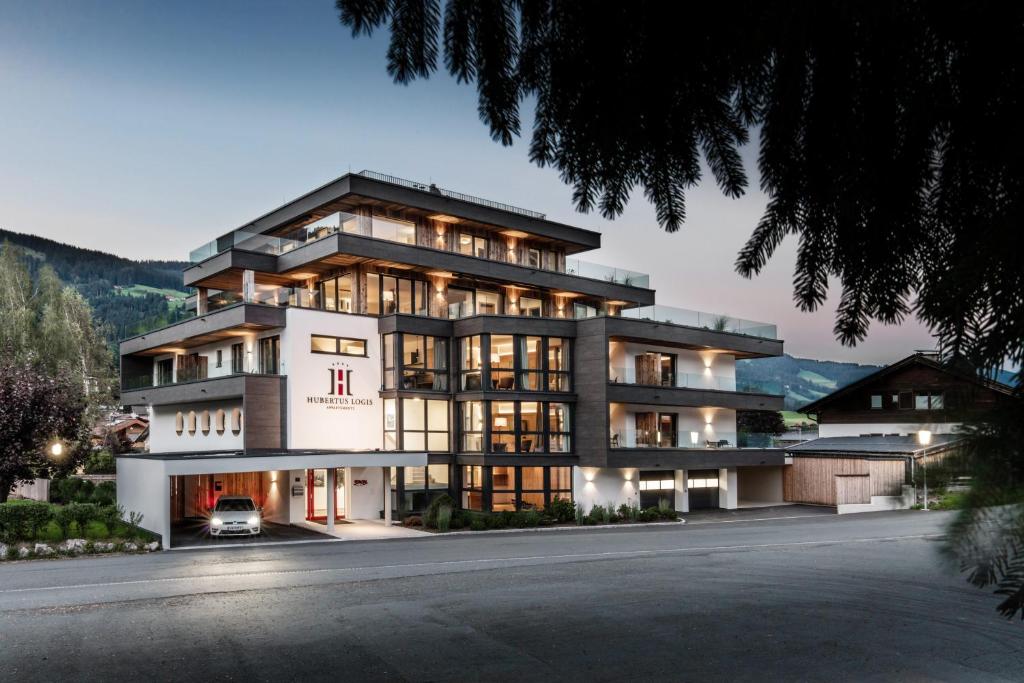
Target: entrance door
667, 430
658, 486
316, 495
703, 487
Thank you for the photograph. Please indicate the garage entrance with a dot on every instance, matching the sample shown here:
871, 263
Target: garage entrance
657, 486
703, 489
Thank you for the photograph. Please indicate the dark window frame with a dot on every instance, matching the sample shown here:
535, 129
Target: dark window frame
337, 346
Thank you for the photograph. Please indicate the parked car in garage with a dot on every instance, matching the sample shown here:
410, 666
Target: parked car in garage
235, 516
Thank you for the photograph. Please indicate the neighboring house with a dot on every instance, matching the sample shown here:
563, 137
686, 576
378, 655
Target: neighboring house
870, 431
132, 429
914, 394
376, 343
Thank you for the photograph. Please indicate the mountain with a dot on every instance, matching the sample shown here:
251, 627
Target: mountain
802, 379
127, 296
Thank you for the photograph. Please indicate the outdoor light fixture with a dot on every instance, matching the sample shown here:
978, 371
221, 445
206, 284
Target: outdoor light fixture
56, 449
924, 437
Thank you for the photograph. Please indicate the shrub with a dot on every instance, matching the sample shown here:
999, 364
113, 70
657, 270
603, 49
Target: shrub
83, 513
457, 522
100, 462
105, 493
111, 516
531, 518
24, 519
444, 517
624, 512
581, 516
430, 516
561, 510
477, 524
650, 515
412, 520
63, 517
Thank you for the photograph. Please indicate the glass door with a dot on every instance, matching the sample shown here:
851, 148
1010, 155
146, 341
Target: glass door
316, 495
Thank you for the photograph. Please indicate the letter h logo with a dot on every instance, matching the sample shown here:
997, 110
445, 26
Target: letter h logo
341, 382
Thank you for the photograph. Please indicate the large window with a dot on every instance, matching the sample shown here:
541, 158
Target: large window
424, 362
505, 488
526, 363
424, 425
472, 426
502, 362
470, 363
390, 424
237, 364
460, 302
336, 293
388, 359
473, 487
394, 230
339, 346
270, 355
386, 294
515, 427
419, 485
472, 245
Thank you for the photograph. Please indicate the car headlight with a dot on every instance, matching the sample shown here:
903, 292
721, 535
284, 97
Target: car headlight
216, 521
254, 520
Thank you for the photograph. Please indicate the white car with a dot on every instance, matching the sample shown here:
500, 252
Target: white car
235, 516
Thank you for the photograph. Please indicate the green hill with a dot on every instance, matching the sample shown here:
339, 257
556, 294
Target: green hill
128, 296
803, 379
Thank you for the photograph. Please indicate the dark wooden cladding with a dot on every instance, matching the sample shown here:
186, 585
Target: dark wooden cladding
264, 409
961, 396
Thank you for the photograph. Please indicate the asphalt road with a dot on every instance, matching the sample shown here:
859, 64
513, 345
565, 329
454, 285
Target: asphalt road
816, 598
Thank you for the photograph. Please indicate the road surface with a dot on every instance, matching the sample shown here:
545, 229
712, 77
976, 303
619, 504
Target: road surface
814, 598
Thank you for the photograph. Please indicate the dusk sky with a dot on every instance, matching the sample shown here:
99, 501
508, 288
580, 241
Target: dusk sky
147, 128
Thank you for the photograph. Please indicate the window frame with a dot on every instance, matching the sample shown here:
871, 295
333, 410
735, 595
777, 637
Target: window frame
337, 345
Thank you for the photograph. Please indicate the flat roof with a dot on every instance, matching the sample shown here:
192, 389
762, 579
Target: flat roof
892, 445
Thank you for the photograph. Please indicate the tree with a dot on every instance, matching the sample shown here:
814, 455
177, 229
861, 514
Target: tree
760, 422
891, 146
36, 410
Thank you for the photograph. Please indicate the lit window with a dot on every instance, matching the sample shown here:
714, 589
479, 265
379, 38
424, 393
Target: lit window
876, 401
340, 346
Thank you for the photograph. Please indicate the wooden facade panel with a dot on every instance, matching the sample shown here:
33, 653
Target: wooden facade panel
852, 488
812, 480
887, 477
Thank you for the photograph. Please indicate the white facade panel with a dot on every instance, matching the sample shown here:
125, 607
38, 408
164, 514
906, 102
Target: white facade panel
333, 400
164, 436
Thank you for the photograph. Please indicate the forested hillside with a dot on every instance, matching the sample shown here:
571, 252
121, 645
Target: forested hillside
803, 379
128, 296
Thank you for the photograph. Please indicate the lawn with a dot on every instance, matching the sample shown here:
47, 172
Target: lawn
793, 418
178, 297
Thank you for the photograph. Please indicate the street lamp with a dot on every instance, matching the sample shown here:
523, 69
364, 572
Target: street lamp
56, 449
924, 437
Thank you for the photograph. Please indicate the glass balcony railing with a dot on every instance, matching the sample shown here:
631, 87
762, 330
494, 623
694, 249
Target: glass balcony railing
682, 380
596, 271
134, 382
711, 321
629, 437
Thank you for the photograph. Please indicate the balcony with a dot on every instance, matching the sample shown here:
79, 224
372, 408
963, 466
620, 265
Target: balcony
141, 390
630, 437
715, 322
628, 375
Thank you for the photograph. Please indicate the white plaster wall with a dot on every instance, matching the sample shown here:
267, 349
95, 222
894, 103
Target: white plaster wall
356, 421
144, 486
698, 369
682, 493
277, 491
600, 486
163, 437
856, 429
759, 485
728, 488
296, 504
366, 501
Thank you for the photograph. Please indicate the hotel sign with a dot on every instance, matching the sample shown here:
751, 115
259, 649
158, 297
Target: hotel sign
339, 395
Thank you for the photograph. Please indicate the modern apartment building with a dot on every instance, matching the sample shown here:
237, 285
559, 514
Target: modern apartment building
376, 342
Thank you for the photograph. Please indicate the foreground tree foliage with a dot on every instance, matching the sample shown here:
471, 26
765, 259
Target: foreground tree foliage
890, 145
56, 373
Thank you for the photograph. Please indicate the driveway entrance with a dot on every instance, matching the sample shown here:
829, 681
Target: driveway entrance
196, 532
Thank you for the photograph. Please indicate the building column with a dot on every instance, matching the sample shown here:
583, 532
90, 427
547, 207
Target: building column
202, 301
248, 286
330, 484
728, 498
386, 475
682, 492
